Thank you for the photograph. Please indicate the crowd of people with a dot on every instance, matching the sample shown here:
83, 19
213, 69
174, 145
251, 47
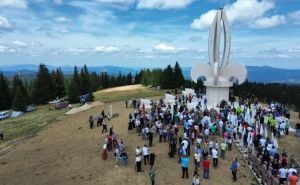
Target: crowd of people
203, 136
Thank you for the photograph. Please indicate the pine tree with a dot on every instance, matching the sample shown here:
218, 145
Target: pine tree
129, 79
19, 95
5, 96
73, 89
20, 99
178, 76
84, 81
43, 89
59, 83
167, 78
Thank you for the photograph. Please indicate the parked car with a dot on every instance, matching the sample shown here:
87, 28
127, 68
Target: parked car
61, 105
4, 115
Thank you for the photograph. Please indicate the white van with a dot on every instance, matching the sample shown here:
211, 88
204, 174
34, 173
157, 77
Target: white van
4, 115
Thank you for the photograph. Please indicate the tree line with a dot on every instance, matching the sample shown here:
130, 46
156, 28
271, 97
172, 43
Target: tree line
288, 94
17, 93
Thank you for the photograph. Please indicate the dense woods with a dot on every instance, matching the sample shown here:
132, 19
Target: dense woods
18, 93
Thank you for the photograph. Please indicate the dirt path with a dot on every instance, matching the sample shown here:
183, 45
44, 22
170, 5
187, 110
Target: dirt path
68, 153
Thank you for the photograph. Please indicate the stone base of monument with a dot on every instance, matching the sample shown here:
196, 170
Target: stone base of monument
215, 94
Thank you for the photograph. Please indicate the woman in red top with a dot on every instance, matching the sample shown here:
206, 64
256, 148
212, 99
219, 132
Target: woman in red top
205, 166
293, 179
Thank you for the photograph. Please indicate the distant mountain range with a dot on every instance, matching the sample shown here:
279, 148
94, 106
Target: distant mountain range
263, 74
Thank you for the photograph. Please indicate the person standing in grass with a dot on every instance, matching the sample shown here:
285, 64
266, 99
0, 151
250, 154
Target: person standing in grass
152, 159
234, 167
91, 121
205, 165
223, 148
185, 166
138, 163
152, 175
293, 179
1, 134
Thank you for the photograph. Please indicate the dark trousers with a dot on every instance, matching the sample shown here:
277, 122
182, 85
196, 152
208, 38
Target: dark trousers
146, 159
104, 129
152, 182
185, 172
139, 166
1, 136
91, 125
234, 175
160, 138
150, 142
215, 162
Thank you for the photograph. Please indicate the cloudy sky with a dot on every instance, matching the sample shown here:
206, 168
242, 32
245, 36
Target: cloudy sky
146, 33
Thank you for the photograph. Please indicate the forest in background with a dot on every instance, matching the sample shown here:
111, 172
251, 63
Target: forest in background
17, 93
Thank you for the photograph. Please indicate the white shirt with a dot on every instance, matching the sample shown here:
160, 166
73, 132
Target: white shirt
291, 170
262, 142
145, 150
185, 144
138, 151
206, 132
197, 157
214, 153
199, 140
283, 172
196, 181
138, 159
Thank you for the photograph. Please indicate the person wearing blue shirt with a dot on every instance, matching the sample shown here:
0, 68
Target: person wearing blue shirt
272, 151
185, 166
234, 167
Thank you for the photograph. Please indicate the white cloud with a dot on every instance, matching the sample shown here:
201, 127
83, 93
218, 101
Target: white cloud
295, 16
204, 20
164, 48
266, 22
282, 56
120, 2
19, 43
294, 50
5, 49
58, 2
63, 30
19, 4
62, 19
5, 24
76, 51
243, 11
109, 49
163, 4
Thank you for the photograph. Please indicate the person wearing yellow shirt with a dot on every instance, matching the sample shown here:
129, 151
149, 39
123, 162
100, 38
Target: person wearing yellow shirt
223, 147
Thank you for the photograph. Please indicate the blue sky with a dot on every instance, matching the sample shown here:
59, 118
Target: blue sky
146, 33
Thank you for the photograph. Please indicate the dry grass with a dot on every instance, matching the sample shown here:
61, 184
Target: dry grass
68, 153
126, 93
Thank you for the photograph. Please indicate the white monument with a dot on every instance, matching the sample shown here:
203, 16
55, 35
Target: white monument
218, 72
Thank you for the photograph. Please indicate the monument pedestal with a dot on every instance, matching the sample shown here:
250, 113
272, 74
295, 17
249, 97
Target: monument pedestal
215, 94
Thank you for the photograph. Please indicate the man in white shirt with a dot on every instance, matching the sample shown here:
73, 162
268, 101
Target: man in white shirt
262, 142
197, 160
138, 163
215, 157
138, 151
145, 150
283, 172
291, 170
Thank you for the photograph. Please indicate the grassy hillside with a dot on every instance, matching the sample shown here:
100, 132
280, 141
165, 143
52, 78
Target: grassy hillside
30, 123
115, 95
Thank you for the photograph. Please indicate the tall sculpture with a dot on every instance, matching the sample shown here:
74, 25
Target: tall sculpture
218, 72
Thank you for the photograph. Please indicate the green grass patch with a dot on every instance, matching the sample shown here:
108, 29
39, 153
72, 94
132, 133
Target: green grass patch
30, 123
